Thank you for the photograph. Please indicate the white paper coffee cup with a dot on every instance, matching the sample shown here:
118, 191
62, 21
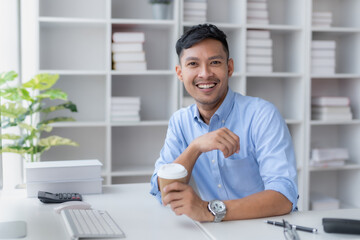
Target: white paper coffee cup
169, 173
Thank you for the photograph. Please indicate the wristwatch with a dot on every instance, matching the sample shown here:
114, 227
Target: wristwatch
218, 209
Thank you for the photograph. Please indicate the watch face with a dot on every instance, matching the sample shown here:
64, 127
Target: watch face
218, 206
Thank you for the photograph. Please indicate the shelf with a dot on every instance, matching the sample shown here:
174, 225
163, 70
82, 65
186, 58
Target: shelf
336, 30
349, 122
64, 20
337, 75
79, 124
73, 72
144, 73
141, 123
278, 28
275, 75
347, 166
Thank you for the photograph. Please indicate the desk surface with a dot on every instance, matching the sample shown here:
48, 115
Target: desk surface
142, 217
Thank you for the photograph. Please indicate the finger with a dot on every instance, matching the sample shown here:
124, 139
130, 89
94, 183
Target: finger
233, 139
175, 186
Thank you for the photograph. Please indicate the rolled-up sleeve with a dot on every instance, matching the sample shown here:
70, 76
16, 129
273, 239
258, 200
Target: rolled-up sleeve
275, 153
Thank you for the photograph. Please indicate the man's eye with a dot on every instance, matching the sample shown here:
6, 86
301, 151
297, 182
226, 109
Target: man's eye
192, 64
216, 62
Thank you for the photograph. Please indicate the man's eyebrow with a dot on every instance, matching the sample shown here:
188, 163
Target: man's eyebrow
216, 57
191, 58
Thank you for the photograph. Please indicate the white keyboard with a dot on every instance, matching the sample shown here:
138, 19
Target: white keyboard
85, 223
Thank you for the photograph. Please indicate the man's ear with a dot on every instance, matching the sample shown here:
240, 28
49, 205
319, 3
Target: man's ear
230, 67
179, 72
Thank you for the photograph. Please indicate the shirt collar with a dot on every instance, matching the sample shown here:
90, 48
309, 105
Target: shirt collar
222, 112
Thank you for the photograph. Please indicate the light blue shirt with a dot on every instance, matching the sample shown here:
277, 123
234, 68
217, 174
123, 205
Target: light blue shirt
266, 159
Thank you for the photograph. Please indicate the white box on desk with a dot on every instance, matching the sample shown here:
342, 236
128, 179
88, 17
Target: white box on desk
322, 202
63, 170
82, 186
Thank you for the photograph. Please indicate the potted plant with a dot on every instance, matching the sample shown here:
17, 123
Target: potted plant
160, 8
22, 106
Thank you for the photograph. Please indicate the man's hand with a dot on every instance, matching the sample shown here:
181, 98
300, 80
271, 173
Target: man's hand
183, 200
223, 139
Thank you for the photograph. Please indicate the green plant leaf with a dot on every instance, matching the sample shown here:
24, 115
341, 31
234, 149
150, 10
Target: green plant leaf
15, 149
68, 105
7, 77
26, 126
57, 119
56, 141
12, 110
53, 94
10, 136
42, 81
15, 94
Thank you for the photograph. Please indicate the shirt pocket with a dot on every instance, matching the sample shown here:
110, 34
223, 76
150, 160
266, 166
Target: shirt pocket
242, 175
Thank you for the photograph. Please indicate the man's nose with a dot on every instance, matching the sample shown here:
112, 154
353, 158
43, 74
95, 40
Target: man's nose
205, 72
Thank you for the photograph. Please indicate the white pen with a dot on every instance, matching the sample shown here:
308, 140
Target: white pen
300, 228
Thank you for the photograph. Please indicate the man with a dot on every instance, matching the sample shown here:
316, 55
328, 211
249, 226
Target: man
237, 148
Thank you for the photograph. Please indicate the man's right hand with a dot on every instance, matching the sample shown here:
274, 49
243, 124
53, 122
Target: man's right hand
222, 139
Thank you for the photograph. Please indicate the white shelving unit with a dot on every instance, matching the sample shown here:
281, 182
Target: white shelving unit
73, 38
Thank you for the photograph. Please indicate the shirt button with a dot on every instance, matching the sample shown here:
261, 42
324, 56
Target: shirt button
223, 121
213, 161
219, 186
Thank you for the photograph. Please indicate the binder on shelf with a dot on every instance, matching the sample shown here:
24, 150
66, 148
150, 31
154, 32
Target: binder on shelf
322, 202
262, 34
322, 19
259, 60
127, 47
329, 154
321, 44
332, 117
125, 100
195, 11
330, 101
331, 109
322, 70
322, 53
128, 37
125, 109
256, 5
323, 62
259, 68
129, 57
265, 43
130, 66
261, 14
254, 51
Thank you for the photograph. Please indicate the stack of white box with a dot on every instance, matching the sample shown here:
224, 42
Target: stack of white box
320, 201
195, 10
257, 12
128, 53
125, 109
71, 176
259, 51
322, 19
323, 57
328, 108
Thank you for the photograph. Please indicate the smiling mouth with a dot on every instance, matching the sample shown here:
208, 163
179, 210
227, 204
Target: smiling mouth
206, 86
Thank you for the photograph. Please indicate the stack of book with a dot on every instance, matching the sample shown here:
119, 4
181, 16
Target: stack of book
125, 109
257, 12
72, 176
329, 157
331, 108
195, 10
259, 51
322, 19
323, 57
127, 51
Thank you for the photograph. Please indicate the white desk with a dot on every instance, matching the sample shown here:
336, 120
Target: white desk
138, 214
141, 217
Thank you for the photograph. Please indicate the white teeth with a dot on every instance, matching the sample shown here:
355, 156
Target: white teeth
205, 86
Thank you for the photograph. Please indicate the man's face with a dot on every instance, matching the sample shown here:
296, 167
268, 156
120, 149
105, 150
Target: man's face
204, 70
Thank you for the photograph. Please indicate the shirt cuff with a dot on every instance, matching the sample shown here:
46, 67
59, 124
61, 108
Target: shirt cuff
155, 188
285, 189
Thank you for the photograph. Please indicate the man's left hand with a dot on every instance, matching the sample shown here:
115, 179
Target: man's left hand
183, 200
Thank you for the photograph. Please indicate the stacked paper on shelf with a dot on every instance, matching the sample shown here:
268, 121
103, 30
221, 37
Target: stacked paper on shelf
195, 10
81, 176
259, 51
329, 157
321, 19
125, 109
330, 108
257, 12
127, 50
323, 57
322, 202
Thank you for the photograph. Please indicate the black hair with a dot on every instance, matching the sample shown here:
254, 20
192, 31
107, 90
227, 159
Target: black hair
198, 33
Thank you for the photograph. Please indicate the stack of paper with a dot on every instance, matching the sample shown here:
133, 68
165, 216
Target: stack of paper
321, 19
195, 10
323, 57
125, 109
127, 50
81, 176
257, 12
322, 202
259, 51
330, 108
329, 157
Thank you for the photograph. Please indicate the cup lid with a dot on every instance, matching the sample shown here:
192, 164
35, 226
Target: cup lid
172, 171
